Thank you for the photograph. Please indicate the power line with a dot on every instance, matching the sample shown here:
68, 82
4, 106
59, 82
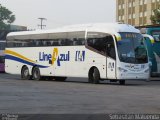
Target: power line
41, 25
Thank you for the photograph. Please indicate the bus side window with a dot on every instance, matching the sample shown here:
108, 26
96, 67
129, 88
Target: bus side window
68, 42
55, 43
98, 41
78, 41
40, 43
48, 43
111, 47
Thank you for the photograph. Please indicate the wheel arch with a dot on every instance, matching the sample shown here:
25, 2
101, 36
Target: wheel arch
91, 70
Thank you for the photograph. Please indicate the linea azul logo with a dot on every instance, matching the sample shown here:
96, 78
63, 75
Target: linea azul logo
80, 56
55, 56
111, 65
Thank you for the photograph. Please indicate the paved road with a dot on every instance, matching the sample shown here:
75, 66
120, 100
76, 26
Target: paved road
77, 96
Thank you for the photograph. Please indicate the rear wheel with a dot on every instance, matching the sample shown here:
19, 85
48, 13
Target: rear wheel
25, 73
36, 73
122, 82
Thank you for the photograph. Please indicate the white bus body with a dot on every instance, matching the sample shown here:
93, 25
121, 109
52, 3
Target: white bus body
73, 51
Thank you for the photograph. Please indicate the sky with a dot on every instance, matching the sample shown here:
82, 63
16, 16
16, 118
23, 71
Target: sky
60, 12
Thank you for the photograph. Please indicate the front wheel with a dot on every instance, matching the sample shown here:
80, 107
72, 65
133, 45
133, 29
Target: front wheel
94, 76
36, 73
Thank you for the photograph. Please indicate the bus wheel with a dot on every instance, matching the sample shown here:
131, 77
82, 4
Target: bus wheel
60, 78
25, 73
36, 73
122, 82
94, 76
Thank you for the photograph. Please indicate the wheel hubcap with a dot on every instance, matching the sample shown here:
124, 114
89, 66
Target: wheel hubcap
26, 72
36, 74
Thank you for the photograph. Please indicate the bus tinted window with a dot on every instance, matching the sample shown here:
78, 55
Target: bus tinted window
97, 41
102, 43
70, 39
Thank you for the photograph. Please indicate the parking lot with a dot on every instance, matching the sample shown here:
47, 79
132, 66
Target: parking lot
76, 96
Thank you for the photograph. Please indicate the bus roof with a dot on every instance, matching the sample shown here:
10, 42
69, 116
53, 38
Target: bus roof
110, 28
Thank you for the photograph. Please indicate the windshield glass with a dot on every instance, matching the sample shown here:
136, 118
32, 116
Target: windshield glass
131, 48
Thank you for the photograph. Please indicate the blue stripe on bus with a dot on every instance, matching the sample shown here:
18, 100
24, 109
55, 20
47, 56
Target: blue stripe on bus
23, 61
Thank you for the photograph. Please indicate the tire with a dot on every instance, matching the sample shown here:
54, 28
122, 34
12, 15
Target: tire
122, 82
25, 73
61, 79
94, 76
36, 73
90, 80
90, 77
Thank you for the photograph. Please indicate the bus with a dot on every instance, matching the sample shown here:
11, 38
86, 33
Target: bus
104, 51
2, 60
153, 48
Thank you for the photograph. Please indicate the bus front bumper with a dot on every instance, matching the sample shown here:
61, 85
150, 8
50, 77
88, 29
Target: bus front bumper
131, 76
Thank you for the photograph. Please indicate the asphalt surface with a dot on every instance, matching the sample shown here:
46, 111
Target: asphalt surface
76, 96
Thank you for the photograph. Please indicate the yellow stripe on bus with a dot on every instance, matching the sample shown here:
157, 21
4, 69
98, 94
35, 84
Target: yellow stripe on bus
18, 55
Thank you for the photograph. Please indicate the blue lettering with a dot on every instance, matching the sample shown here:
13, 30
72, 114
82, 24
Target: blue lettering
80, 56
61, 57
49, 57
44, 57
40, 56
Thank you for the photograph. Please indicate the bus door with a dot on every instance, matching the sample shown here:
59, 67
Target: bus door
111, 58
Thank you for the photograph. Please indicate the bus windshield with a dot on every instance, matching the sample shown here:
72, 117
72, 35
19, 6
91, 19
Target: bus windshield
131, 48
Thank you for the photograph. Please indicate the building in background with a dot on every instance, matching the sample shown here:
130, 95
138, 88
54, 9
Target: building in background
18, 27
13, 28
136, 12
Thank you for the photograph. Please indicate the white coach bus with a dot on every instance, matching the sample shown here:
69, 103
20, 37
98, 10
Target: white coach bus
110, 51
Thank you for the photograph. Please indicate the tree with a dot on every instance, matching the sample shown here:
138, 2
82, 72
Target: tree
156, 17
6, 18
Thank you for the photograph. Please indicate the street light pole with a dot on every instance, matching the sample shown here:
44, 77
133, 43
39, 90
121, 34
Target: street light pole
41, 25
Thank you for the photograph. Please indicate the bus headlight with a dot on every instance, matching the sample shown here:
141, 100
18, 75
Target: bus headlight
122, 69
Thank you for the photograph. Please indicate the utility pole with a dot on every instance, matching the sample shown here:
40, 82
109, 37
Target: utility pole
41, 25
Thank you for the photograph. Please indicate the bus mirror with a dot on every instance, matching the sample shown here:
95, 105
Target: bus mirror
50, 61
